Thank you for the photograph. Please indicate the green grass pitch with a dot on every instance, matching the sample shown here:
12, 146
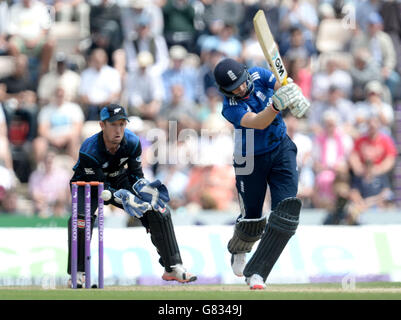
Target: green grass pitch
322, 291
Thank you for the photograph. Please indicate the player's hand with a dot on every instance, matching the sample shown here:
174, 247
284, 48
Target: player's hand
134, 206
299, 108
286, 96
154, 193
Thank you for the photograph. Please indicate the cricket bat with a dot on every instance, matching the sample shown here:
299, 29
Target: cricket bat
269, 47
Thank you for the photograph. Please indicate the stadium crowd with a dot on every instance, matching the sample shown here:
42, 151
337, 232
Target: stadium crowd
156, 57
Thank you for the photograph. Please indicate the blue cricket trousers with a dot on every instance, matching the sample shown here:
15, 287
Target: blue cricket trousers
276, 168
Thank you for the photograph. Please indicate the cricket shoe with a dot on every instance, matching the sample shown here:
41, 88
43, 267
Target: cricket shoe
238, 262
256, 282
179, 274
80, 280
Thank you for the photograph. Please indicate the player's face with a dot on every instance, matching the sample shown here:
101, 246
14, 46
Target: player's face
241, 90
113, 132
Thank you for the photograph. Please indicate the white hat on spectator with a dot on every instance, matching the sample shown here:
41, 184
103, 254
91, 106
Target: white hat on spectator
145, 59
374, 86
178, 52
139, 4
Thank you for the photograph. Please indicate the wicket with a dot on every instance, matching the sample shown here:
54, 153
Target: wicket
74, 232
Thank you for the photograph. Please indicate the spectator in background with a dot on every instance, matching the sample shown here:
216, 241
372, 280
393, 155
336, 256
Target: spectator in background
105, 28
5, 152
227, 42
301, 73
29, 25
331, 74
73, 10
368, 192
179, 26
144, 97
299, 13
210, 186
180, 73
134, 12
331, 149
224, 40
19, 81
49, 187
382, 49
100, 85
5, 47
144, 40
374, 153
363, 70
176, 180
59, 127
61, 76
297, 47
343, 108
179, 109
374, 104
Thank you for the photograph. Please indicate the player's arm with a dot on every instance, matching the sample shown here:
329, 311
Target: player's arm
283, 97
259, 120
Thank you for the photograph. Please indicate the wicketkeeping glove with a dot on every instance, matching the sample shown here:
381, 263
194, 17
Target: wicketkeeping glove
154, 193
134, 206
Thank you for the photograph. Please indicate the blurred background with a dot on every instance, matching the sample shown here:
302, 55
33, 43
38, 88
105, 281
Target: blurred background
62, 60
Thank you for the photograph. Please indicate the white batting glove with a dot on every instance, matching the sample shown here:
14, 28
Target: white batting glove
286, 96
299, 108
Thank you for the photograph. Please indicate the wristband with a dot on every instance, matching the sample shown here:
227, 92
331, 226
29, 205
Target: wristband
275, 110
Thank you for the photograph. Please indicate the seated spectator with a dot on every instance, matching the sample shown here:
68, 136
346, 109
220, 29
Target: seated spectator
73, 10
375, 104
368, 192
100, 85
180, 73
49, 188
297, 46
5, 152
301, 73
61, 76
29, 25
210, 186
382, 49
19, 81
363, 70
144, 97
302, 14
374, 152
179, 28
176, 181
331, 74
224, 41
330, 149
132, 14
143, 40
59, 126
336, 103
179, 109
105, 28
8, 182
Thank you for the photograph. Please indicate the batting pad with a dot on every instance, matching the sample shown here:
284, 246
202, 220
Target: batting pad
282, 224
246, 233
163, 238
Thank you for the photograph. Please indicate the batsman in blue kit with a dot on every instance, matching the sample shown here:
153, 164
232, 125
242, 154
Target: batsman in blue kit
253, 101
113, 156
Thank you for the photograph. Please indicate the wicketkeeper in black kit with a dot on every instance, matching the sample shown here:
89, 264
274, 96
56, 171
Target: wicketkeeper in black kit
113, 156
